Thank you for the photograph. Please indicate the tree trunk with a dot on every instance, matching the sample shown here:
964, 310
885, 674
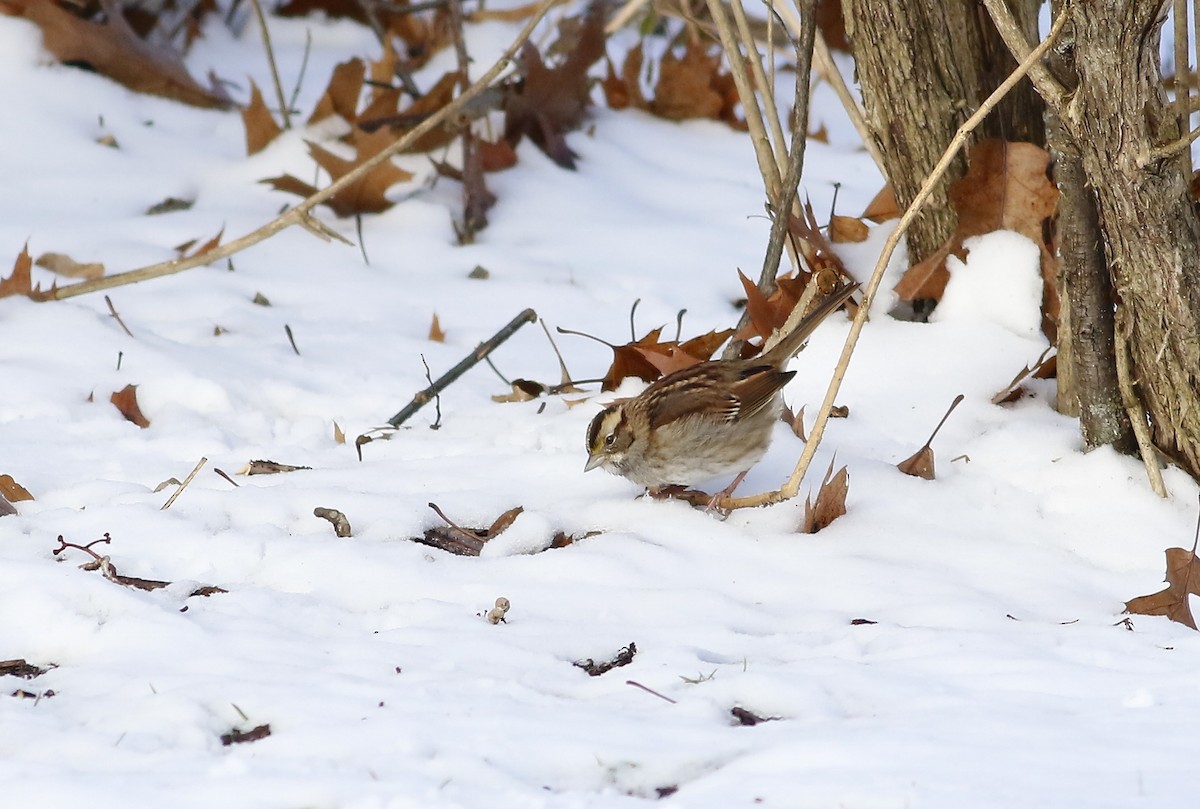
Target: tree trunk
1087, 370
1119, 117
924, 67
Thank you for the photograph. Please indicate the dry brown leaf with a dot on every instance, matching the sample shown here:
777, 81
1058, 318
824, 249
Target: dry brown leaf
368, 194
630, 360
496, 156
435, 331
113, 49
828, 16
795, 421
883, 207
20, 281
550, 101
831, 501
64, 265
817, 250
847, 230
1183, 580
261, 467
921, 463
1012, 391
339, 437
126, 401
258, 121
460, 541
821, 134
685, 87
523, 390
342, 92
1005, 188
14, 492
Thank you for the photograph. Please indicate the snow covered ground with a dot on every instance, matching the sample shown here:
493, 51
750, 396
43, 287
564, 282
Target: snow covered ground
994, 670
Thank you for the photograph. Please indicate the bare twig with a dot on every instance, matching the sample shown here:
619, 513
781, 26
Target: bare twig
291, 338
1048, 87
199, 465
787, 195
437, 399
266, 37
112, 311
791, 486
829, 71
301, 214
754, 118
481, 351
303, 68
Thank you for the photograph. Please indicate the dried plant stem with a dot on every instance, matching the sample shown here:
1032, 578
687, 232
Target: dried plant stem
480, 353
196, 469
301, 214
769, 109
829, 71
625, 14
791, 486
765, 155
266, 36
1181, 64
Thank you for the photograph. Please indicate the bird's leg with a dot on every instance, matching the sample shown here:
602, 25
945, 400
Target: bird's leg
727, 491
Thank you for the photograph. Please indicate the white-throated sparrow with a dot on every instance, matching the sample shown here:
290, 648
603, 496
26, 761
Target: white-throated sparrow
702, 422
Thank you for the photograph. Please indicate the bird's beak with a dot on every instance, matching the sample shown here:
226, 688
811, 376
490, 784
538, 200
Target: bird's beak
592, 462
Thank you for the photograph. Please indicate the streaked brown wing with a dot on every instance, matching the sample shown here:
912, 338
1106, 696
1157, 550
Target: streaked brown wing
758, 387
691, 392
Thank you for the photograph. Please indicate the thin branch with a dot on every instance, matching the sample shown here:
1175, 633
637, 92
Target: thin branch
791, 183
1181, 63
829, 71
266, 37
791, 486
199, 465
113, 311
754, 120
769, 109
480, 353
1174, 147
1048, 87
301, 213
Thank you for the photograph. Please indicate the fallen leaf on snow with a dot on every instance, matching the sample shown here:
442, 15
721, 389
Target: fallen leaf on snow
126, 401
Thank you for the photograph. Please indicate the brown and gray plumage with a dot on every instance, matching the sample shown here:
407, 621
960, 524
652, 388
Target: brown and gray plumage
712, 419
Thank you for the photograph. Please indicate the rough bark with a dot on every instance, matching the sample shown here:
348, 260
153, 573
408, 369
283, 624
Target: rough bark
1087, 370
924, 67
1119, 117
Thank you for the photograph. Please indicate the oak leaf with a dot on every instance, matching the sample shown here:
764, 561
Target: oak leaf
342, 92
1183, 580
260, 124
1005, 188
20, 281
830, 503
435, 331
113, 49
550, 101
367, 194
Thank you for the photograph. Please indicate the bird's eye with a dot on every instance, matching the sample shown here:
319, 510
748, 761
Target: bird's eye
609, 439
